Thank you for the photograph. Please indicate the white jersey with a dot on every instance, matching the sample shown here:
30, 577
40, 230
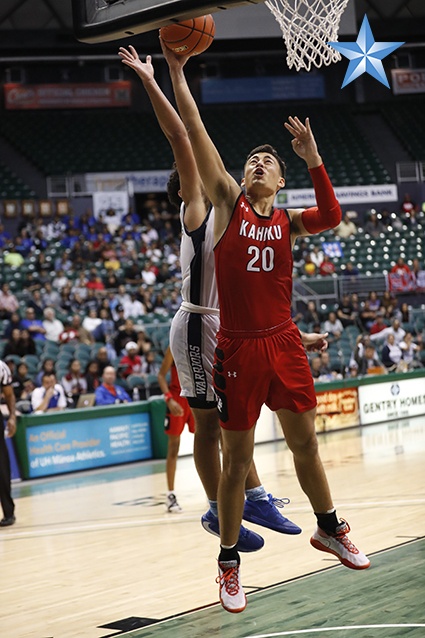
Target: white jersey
195, 325
197, 263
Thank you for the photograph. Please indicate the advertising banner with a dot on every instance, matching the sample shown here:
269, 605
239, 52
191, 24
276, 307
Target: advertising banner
392, 400
262, 89
67, 96
337, 409
408, 81
304, 197
81, 445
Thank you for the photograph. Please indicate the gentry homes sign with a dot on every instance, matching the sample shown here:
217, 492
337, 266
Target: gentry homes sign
392, 400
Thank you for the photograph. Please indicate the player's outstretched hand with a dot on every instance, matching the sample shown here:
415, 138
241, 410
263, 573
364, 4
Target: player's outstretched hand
174, 61
314, 342
304, 143
130, 57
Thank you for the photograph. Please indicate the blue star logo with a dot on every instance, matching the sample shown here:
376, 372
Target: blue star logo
365, 55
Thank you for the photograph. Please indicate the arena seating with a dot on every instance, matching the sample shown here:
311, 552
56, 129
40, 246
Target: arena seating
60, 142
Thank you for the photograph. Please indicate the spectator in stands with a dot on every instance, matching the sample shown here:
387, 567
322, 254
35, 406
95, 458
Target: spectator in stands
373, 226
125, 334
92, 321
80, 286
391, 354
82, 335
388, 299
410, 351
312, 315
299, 253
132, 275
378, 325
149, 364
133, 307
333, 326
50, 297
60, 280
345, 311
327, 370
315, 365
48, 366
327, 267
148, 274
11, 257
374, 301
74, 383
13, 345
395, 329
367, 316
316, 255
131, 362
5, 236
106, 329
66, 303
92, 375
36, 302
102, 359
407, 205
122, 296
401, 268
369, 360
8, 302
95, 282
119, 319
143, 342
26, 343
350, 270
108, 393
112, 282
50, 396
19, 379
308, 268
403, 314
14, 322
33, 325
347, 228
53, 326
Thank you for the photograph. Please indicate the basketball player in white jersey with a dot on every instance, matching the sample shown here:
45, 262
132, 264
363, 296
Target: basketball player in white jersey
194, 328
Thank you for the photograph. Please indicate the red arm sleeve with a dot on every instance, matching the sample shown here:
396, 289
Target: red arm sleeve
328, 212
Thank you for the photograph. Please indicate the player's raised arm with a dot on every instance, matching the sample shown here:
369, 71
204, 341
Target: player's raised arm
176, 134
327, 214
221, 188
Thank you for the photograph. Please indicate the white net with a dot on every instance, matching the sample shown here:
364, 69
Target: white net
307, 25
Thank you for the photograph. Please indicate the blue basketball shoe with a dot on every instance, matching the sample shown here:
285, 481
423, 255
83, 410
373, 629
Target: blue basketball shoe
248, 541
265, 513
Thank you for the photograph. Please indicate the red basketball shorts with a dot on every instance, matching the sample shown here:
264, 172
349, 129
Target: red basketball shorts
174, 425
271, 370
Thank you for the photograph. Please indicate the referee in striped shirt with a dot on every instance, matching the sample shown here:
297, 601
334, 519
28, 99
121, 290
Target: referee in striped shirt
6, 500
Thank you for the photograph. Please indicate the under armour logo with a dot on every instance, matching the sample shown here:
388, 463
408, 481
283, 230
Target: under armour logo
232, 374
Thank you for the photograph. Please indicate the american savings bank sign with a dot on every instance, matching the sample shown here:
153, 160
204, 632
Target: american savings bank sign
391, 400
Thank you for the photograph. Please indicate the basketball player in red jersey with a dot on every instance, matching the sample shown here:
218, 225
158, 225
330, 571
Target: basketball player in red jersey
253, 257
178, 415
196, 323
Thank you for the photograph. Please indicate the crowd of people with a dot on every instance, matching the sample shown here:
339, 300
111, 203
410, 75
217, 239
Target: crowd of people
100, 281
381, 334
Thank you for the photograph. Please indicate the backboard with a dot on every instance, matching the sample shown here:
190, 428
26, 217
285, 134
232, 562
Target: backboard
105, 20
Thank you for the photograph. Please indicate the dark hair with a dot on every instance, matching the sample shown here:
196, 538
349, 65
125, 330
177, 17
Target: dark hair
267, 148
173, 187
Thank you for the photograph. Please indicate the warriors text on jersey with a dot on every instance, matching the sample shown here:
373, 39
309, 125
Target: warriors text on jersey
253, 262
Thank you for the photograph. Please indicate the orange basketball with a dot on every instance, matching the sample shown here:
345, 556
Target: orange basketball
190, 37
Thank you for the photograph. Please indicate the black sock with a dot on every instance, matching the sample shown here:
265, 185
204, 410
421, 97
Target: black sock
328, 522
228, 554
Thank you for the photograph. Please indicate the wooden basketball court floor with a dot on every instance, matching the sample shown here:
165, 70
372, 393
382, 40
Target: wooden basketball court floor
95, 555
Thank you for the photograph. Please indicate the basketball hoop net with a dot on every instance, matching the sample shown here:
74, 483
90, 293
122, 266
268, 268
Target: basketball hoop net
307, 26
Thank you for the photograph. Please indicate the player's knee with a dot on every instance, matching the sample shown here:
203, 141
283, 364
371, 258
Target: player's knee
306, 446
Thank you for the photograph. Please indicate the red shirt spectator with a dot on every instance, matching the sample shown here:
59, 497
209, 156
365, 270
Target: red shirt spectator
131, 363
327, 267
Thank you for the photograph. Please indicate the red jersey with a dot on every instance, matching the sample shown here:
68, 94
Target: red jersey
253, 263
174, 385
